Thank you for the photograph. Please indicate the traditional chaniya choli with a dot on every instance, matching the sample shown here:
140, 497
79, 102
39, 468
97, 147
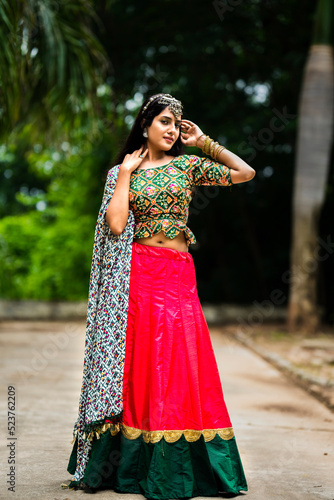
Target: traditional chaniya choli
152, 417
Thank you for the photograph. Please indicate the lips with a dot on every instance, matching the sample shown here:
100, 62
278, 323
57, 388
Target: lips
168, 139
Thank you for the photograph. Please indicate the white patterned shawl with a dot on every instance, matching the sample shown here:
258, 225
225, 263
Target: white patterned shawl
107, 311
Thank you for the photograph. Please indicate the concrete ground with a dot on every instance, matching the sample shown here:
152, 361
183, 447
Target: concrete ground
285, 436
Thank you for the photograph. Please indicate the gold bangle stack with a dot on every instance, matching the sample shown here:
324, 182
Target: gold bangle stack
212, 148
206, 144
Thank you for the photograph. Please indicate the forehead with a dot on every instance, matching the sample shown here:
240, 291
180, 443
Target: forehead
167, 112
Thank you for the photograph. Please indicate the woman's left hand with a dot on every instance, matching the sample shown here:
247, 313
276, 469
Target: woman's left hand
190, 132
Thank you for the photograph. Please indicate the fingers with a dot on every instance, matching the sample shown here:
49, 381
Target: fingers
137, 152
187, 128
142, 155
187, 125
188, 122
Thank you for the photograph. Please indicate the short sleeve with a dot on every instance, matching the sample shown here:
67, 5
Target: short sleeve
205, 172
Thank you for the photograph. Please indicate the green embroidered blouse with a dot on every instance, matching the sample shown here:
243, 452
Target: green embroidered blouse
159, 197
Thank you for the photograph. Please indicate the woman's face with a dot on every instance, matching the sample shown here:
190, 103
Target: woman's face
164, 130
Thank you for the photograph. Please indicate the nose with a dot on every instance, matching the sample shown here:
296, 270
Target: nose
172, 128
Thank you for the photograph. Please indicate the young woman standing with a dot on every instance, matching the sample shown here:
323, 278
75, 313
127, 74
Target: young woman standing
152, 417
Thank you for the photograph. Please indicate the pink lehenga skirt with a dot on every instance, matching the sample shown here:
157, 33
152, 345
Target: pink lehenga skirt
176, 439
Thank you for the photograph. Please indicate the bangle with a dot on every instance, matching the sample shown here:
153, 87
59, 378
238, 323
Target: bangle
212, 147
198, 139
219, 150
211, 143
206, 144
215, 153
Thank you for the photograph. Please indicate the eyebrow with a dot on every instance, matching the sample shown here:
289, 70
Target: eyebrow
169, 118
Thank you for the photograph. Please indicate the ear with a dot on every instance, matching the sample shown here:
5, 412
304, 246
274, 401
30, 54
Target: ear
142, 123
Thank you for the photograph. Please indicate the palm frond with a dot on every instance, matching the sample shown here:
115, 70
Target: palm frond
51, 61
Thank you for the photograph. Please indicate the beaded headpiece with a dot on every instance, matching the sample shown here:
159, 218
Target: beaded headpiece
174, 105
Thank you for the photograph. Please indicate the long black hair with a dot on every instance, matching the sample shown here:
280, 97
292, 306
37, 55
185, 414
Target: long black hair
135, 138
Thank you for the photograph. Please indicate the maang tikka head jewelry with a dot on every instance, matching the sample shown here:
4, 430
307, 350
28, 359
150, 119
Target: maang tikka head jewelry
173, 104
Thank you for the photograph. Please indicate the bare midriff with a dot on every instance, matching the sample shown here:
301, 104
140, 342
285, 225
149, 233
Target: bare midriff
160, 240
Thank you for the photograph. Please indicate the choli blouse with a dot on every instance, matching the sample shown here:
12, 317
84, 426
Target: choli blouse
160, 196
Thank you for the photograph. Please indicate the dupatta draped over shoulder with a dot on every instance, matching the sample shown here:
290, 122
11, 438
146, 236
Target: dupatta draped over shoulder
108, 299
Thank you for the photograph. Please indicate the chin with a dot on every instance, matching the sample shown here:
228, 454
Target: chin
171, 145
166, 147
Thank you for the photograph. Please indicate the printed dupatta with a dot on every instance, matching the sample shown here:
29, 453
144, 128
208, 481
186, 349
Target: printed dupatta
108, 299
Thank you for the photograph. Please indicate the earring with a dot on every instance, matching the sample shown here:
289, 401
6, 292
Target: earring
145, 134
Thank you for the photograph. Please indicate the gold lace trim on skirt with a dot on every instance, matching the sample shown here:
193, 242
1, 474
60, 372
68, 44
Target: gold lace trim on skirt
156, 436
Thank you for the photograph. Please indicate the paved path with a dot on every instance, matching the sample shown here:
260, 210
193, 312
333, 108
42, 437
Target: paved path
285, 437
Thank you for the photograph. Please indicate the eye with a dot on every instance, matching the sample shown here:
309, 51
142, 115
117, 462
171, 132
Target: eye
178, 125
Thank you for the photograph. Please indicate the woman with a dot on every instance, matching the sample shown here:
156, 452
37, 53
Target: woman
152, 417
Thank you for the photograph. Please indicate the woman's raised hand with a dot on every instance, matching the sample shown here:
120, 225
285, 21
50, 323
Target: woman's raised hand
190, 132
133, 160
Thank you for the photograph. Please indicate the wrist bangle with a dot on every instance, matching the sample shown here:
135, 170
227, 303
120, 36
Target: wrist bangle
215, 152
212, 148
219, 150
209, 146
198, 139
206, 144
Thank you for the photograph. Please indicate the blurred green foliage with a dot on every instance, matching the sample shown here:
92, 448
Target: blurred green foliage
45, 247
49, 203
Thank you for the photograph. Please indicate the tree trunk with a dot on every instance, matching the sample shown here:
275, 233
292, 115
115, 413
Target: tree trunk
315, 133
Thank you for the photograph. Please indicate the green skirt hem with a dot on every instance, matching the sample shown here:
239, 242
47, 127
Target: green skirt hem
163, 470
